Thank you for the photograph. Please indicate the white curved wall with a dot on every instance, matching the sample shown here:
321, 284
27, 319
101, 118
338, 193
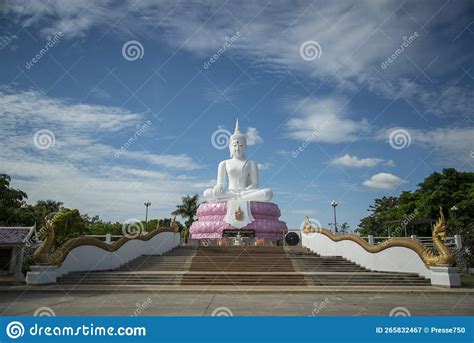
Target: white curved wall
394, 259
88, 257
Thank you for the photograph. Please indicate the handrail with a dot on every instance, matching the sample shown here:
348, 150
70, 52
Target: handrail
103, 236
449, 241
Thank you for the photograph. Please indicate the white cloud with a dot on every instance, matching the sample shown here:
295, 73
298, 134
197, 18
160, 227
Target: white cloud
353, 161
35, 109
79, 130
82, 168
384, 181
264, 166
353, 187
453, 143
115, 193
284, 153
355, 36
180, 161
449, 99
458, 139
323, 121
253, 136
100, 94
73, 18
310, 212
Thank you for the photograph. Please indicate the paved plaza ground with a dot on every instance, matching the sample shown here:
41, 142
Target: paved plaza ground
237, 303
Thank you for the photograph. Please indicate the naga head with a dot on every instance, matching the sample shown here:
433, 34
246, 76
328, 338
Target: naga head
439, 230
174, 225
307, 225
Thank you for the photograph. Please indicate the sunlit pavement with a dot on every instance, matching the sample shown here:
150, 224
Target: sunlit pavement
237, 304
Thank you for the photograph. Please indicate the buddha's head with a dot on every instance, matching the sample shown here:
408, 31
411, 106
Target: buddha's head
237, 143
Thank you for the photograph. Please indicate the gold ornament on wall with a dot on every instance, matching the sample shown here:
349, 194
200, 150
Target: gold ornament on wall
239, 214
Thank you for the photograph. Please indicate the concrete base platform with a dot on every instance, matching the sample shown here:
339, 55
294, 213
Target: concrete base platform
55, 288
151, 302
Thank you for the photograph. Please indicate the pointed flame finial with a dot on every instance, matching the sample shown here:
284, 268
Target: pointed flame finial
237, 126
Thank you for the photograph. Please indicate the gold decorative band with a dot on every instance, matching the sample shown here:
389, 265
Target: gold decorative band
389, 243
445, 256
43, 257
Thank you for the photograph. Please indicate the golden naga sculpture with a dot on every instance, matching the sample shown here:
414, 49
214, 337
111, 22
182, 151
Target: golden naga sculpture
41, 255
44, 256
444, 258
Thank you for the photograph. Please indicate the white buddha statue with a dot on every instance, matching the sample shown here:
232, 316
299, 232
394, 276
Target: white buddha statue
242, 175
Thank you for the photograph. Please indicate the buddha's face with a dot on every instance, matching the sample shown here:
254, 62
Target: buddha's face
238, 148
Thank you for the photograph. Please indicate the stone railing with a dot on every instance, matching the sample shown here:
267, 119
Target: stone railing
454, 242
107, 238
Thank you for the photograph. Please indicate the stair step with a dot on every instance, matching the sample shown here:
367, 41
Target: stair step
242, 266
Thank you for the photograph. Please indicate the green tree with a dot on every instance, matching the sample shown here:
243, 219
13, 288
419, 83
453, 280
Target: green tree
44, 209
343, 228
50, 206
187, 209
11, 201
383, 210
68, 224
185, 234
451, 190
164, 222
447, 189
96, 226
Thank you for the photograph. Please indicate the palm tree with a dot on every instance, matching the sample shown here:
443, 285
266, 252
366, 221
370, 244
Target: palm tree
344, 228
187, 209
50, 206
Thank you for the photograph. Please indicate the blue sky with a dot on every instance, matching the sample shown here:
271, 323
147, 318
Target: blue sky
344, 76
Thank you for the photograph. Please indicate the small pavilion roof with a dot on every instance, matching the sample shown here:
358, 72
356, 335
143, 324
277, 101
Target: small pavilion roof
16, 235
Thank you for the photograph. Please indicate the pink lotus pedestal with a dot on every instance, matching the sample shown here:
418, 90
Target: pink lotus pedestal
211, 224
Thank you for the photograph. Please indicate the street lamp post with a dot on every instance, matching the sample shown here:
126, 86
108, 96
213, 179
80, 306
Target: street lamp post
454, 209
334, 204
147, 204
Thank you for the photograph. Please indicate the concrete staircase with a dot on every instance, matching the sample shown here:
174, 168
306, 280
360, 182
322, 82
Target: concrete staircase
242, 266
337, 271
